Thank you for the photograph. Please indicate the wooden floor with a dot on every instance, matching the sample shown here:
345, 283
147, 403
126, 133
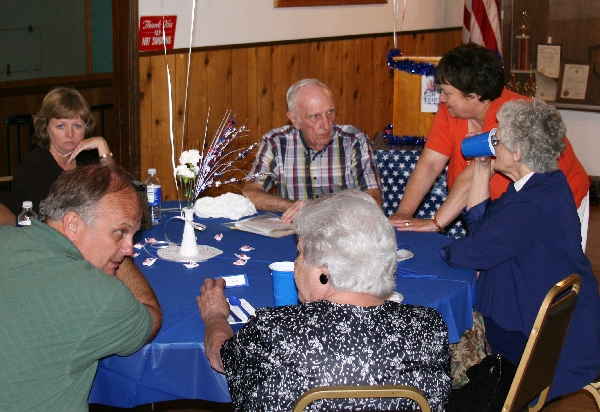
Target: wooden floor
578, 402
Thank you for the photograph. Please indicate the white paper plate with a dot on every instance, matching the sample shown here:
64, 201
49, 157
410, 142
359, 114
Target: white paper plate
403, 254
204, 253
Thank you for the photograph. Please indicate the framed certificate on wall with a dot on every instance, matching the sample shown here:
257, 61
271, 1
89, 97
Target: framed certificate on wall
573, 83
548, 60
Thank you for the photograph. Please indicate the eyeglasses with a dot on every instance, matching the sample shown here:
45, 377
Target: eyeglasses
493, 138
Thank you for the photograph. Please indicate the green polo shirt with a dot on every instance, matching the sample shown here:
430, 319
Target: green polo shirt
58, 316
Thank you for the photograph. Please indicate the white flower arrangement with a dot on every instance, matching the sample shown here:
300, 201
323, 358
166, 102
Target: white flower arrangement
187, 172
199, 171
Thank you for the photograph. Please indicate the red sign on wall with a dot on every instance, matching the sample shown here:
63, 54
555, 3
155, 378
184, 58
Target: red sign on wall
151, 32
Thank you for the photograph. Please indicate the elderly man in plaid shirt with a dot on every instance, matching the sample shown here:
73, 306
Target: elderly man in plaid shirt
312, 157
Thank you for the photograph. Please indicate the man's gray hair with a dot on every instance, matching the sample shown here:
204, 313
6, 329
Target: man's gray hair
348, 234
294, 88
537, 129
81, 189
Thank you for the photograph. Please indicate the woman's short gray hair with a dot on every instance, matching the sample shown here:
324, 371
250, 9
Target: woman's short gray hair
536, 129
348, 234
294, 88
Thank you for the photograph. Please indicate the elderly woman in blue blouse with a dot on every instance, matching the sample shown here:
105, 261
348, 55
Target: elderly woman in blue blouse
344, 332
527, 240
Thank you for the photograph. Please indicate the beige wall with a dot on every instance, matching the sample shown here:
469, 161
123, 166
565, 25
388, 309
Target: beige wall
227, 22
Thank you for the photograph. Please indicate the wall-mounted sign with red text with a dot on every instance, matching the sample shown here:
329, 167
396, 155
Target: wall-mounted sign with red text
151, 32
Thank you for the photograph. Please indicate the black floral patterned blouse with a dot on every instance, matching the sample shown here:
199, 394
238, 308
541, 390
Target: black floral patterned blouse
282, 352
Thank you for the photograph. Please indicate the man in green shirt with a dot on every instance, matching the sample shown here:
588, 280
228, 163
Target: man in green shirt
63, 303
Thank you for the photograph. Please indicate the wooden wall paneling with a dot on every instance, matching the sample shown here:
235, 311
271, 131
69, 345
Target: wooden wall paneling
161, 157
364, 91
180, 118
333, 77
239, 87
383, 84
265, 97
316, 60
446, 42
180, 92
178, 79
146, 123
425, 44
422, 47
305, 62
277, 87
347, 85
219, 77
219, 93
406, 43
252, 73
197, 108
293, 64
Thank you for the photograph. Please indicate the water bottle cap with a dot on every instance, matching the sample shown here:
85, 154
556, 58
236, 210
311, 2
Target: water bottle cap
27, 203
152, 171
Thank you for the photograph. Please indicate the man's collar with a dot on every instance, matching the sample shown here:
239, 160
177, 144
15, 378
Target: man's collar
54, 239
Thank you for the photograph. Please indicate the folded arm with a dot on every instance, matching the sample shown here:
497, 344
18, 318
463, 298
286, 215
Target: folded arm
98, 143
133, 278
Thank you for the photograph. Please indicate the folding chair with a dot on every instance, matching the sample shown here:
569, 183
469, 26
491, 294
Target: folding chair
538, 363
21, 123
366, 391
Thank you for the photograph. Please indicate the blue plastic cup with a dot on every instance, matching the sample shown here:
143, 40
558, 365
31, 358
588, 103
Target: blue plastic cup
479, 145
284, 287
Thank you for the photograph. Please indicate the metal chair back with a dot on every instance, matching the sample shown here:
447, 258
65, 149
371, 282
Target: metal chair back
538, 363
383, 391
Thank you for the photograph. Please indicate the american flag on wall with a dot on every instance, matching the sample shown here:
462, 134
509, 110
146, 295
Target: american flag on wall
481, 24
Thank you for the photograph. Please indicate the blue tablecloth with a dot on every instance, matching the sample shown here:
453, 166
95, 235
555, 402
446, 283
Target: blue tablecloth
174, 365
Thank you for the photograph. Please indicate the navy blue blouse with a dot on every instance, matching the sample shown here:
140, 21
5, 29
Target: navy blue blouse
523, 243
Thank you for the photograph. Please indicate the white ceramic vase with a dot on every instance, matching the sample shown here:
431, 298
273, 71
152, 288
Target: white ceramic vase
188, 243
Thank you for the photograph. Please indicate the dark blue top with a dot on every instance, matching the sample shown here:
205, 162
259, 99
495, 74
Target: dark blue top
524, 243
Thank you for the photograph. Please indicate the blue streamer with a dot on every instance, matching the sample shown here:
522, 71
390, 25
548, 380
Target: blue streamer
409, 66
390, 138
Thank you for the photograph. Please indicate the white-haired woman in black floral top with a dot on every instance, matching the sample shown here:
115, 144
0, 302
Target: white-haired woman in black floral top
344, 332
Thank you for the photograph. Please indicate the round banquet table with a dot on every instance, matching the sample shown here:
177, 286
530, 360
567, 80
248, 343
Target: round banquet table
174, 366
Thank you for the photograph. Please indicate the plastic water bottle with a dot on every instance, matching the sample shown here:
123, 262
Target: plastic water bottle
154, 191
26, 215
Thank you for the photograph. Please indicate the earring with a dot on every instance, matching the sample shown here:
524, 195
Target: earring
323, 279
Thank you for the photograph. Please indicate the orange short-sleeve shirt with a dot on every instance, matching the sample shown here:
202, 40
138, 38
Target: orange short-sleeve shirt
446, 135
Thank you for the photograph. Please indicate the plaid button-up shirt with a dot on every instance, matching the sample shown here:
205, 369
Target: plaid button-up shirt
301, 173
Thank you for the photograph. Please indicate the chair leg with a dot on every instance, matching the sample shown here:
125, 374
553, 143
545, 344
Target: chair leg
594, 389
